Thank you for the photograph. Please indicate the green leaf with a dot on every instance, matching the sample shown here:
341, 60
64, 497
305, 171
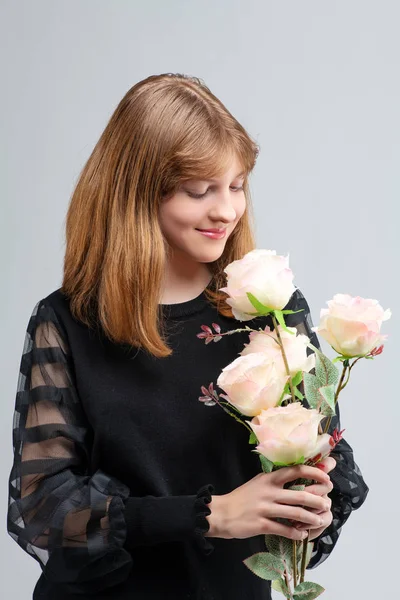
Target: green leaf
266, 464
261, 308
286, 390
325, 371
320, 396
311, 389
297, 488
292, 312
265, 565
281, 547
307, 591
280, 318
299, 461
279, 585
338, 359
253, 438
298, 378
327, 405
298, 394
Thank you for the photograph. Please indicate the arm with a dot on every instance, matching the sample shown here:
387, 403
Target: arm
79, 525
349, 488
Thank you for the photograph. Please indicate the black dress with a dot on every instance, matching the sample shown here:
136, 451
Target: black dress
116, 459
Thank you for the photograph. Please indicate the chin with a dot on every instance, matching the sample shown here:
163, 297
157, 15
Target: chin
207, 257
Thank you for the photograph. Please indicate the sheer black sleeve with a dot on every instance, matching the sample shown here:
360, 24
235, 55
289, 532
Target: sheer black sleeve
78, 524
349, 488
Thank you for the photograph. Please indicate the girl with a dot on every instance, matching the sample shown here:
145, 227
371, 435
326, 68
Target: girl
123, 484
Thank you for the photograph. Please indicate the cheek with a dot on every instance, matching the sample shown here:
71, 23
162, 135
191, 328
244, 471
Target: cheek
240, 207
175, 220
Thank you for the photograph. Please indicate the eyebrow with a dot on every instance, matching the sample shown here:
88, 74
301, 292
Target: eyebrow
236, 176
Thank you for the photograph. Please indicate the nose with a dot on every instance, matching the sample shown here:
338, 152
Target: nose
223, 208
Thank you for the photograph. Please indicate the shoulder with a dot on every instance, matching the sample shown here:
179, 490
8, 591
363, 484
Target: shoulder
55, 299
53, 309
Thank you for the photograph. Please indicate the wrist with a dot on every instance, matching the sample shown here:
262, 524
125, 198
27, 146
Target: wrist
218, 518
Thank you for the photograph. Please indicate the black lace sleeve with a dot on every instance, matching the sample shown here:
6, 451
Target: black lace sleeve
72, 521
349, 488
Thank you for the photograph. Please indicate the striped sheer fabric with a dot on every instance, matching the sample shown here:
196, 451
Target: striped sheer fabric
70, 520
350, 490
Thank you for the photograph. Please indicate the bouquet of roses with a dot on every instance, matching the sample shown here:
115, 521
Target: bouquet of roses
265, 383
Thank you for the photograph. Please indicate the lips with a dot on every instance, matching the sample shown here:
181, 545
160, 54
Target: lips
212, 230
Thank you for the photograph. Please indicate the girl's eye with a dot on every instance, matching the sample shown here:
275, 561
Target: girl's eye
193, 195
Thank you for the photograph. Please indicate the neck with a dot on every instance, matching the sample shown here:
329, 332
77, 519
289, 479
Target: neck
183, 285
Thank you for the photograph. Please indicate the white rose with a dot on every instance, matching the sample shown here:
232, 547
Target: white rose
295, 347
287, 433
262, 273
351, 325
252, 383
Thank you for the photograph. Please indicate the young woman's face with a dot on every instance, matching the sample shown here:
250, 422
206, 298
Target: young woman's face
203, 204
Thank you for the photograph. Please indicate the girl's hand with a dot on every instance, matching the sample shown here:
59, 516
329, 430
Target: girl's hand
321, 490
252, 508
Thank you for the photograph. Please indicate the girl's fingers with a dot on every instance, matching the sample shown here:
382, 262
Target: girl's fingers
302, 499
296, 513
327, 506
302, 526
287, 474
319, 489
275, 528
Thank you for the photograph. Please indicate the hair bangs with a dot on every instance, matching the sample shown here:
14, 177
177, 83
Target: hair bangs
212, 155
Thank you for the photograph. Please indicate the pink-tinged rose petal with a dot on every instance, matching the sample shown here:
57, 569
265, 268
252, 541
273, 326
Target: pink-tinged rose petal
263, 274
252, 383
323, 445
286, 433
295, 346
351, 325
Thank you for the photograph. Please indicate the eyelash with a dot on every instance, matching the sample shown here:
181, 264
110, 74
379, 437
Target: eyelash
198, 196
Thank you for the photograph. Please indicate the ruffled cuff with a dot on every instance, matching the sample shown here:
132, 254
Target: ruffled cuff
201, 511
154, 520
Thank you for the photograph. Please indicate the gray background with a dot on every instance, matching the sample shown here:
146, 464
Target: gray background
317, 84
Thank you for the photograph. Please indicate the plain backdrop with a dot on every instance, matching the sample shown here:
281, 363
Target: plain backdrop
316, 83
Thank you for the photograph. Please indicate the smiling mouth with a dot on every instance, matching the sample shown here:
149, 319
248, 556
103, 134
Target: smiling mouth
213, 230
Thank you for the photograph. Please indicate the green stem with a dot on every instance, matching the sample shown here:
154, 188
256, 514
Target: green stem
294, 559
288, 585
278, 335
338, 390
233, 415
303, 560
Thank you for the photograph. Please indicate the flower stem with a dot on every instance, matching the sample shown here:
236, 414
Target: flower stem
278, 335
303, 560
294, 558
340, 386
288, 584
234, 416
